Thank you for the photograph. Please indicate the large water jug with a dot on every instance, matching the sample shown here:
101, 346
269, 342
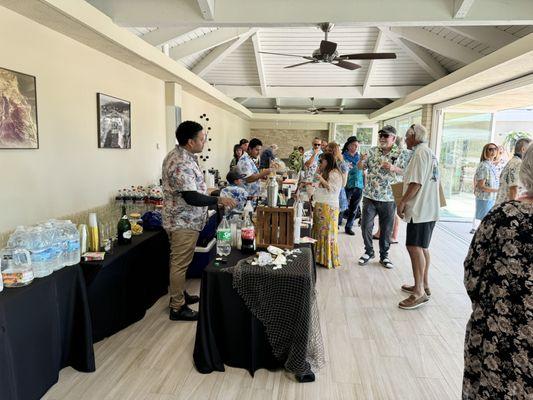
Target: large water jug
73, 243
39, 245
15, 264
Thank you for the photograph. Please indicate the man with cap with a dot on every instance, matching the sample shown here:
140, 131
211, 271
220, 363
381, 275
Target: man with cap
378, 199
235, 190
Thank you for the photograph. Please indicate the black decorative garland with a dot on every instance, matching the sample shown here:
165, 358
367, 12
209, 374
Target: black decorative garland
205, 157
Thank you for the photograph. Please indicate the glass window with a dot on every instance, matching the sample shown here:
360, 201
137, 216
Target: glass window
342, 133
365, 136
462, 140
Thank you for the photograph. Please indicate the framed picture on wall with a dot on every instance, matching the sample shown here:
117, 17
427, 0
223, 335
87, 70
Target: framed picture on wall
114, 122
18, 111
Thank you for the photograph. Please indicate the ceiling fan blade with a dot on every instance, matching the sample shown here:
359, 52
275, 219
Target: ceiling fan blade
327, 47
347, 65
297, 65
367, 56
287, 55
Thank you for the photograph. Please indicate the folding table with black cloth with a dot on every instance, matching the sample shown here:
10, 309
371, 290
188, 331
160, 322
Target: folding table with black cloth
256, 317
44, 327
127, 282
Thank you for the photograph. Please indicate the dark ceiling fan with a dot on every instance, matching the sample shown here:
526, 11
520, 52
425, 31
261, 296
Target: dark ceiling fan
327, 53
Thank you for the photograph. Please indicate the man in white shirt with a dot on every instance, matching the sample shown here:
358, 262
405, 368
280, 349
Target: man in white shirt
419, 207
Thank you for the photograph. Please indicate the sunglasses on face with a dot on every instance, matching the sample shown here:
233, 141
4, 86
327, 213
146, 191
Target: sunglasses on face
316, 144
492, 149
384, 135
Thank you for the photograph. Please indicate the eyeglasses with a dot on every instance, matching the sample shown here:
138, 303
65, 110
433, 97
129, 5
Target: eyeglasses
384, 135
492, 149
317, 144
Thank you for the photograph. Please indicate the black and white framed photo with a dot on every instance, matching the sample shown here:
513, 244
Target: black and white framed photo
114, 122
18, 111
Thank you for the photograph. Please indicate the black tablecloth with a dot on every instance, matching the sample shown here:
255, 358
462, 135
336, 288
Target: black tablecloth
44, 327
127, 282
227, 332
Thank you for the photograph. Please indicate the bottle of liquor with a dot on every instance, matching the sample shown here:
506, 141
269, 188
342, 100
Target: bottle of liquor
124, 228
248, 235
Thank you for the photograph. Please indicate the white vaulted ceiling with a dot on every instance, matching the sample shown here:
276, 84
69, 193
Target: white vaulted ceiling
228, 55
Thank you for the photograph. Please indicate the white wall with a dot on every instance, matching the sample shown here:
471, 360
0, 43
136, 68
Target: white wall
226, 130
68, 173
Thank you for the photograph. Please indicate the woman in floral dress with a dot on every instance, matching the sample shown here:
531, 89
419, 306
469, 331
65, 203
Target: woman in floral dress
326, 212
499, 282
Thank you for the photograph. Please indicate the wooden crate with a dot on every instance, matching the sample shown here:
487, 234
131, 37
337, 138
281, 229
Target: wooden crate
275, 226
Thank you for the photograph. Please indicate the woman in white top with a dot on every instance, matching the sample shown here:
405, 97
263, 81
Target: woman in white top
326, 211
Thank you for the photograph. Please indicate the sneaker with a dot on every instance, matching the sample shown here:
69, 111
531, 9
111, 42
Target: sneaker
190, 299
183, 314
411, 290
365, 258
412, 302
349, 232
386, 263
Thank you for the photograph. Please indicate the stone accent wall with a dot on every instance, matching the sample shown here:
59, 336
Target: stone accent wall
286, 139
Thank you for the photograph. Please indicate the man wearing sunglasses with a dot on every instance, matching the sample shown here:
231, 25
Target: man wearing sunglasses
311, 158
381, 172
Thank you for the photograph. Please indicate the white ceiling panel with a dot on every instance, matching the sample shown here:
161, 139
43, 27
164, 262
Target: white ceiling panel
238, 68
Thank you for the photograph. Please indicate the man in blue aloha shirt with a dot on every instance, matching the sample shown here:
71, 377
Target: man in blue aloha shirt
235, 190
381, 165
354, 184
247, 167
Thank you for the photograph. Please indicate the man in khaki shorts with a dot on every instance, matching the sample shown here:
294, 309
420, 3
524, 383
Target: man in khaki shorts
185, 204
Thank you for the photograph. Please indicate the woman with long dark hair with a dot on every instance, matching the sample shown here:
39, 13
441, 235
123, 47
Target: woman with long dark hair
326, 211
237, 153
485, 183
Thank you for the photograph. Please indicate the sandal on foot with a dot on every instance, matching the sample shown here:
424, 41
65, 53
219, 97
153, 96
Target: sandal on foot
365, 258
411, 290
386, 263
412, 302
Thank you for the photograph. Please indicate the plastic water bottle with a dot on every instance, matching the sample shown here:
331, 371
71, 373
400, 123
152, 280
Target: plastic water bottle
53, 235
40, 247
73, 243
223, 238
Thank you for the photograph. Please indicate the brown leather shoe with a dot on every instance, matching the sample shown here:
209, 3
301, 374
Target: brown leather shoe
412, 302
411, 290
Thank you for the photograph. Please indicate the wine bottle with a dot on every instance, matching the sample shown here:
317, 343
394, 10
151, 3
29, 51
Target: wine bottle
124, 228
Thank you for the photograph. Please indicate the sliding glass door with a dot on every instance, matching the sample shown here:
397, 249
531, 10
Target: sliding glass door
462, 140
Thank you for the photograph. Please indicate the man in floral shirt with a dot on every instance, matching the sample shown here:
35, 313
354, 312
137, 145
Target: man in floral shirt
380, 164
509, 182
247, 167
185, 212
311, 158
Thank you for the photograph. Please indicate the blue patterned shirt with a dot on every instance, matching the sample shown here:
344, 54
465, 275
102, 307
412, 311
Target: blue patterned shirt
355, 175
237, 193
246, 166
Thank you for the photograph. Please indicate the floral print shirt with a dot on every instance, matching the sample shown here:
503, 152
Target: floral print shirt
246, 166
237, 193
508, 178
181, 173
378, 179
486, 171
309, 173
499, 281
